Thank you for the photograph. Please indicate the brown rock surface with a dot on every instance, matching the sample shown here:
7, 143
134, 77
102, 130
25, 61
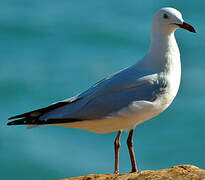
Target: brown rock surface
180, 172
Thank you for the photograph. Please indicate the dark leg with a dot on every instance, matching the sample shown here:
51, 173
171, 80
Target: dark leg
117, 147
130, 147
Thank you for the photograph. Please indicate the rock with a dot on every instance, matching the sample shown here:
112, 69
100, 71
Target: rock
180, 172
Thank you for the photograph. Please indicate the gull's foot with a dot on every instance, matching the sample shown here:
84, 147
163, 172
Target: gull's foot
116, 172
134, 170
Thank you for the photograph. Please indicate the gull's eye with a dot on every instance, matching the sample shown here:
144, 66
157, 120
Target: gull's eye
165, 16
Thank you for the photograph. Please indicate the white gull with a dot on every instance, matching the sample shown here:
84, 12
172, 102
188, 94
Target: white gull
127, 98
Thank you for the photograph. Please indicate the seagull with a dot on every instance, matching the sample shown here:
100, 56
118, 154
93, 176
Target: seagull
127, 98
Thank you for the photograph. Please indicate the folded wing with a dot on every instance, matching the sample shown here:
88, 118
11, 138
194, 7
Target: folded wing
104, 98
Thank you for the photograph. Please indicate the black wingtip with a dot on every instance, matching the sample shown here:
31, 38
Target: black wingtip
32, 121
17, 116
23, 121
11, 123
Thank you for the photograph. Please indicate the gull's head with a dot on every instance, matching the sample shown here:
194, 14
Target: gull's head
167, 20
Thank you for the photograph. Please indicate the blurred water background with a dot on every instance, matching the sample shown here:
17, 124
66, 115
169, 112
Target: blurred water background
54, 49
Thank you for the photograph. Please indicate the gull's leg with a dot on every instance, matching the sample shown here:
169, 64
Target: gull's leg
117, 147
130, 147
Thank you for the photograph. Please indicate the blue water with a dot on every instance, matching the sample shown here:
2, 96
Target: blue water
54, 49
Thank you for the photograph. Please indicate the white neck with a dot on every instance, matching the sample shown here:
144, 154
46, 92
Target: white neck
163, 52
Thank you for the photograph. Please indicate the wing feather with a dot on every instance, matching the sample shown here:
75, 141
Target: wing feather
105, 97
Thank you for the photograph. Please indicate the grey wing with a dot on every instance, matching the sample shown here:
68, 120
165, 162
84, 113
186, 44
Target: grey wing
63, 108
107, 104
107, 96
103, 102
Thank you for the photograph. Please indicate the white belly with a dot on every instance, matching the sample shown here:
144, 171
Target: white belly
125, 119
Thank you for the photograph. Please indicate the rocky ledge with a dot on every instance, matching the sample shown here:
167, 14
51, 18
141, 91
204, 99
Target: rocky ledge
180, 172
